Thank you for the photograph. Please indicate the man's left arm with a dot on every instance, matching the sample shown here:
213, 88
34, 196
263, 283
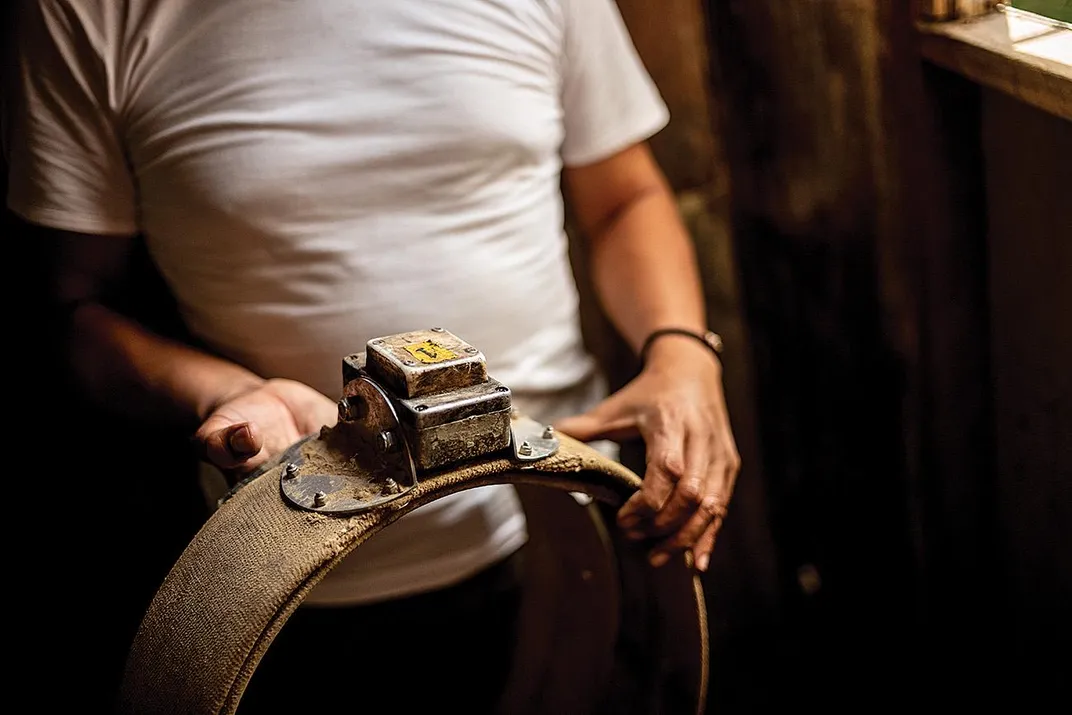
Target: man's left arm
645, 274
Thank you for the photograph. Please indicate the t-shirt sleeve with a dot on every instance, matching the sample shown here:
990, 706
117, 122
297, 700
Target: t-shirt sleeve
67, 166
609, 101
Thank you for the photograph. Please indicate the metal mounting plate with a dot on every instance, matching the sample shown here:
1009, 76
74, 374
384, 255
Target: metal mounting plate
360, 463
531, 440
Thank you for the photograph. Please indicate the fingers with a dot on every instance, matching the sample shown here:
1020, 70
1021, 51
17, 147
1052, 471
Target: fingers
688, 494
701, 552
692, 516
697, 535
665, 468
230, 446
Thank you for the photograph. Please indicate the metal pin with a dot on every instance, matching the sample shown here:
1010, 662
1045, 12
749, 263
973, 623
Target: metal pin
320, 499
525, 449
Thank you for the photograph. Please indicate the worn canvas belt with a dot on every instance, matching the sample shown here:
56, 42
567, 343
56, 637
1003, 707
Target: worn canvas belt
255, 560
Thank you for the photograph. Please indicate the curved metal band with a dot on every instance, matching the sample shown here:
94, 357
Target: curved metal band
255, 560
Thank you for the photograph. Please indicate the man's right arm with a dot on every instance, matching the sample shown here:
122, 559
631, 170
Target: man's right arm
119, 363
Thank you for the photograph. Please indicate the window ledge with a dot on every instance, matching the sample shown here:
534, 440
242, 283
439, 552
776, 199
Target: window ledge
1027, 59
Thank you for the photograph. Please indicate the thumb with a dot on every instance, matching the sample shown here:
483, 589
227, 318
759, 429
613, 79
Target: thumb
230, 446
607, 420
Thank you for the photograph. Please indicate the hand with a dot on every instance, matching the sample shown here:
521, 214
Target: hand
677, 406
245, 430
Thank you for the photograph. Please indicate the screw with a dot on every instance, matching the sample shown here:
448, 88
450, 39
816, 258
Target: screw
548, 432
392, 486
320, 499
290, 471
352, 408
525, 449
387, 441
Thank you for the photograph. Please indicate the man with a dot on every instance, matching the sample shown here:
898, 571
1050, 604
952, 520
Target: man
310, 174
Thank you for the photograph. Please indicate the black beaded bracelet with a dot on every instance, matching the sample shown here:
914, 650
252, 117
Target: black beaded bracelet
711, 340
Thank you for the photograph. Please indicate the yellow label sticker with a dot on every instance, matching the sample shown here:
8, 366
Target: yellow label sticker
429, 352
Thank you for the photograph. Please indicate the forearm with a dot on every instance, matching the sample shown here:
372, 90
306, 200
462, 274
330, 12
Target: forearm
123, 366
644, 268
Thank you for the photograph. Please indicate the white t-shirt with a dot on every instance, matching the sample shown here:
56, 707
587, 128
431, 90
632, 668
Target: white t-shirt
312, 174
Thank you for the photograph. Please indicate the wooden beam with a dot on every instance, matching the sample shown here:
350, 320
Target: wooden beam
983, 51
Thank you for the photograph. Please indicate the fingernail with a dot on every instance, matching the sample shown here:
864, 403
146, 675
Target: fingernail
659, 558
241, 441
701, 562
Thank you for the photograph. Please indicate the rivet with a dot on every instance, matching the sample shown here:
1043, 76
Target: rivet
320, 499
549, 432
421, 408
290, 471
502, 388
387, 441
525, 449
437, 330
409, 362
392, 486
470, 350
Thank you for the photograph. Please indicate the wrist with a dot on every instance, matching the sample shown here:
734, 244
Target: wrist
226, 388
677, 351
680, 339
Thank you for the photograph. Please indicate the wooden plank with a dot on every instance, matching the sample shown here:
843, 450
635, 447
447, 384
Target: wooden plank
1029, 177
857, 201
937, 9
808, 153
983, 51
670, 36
